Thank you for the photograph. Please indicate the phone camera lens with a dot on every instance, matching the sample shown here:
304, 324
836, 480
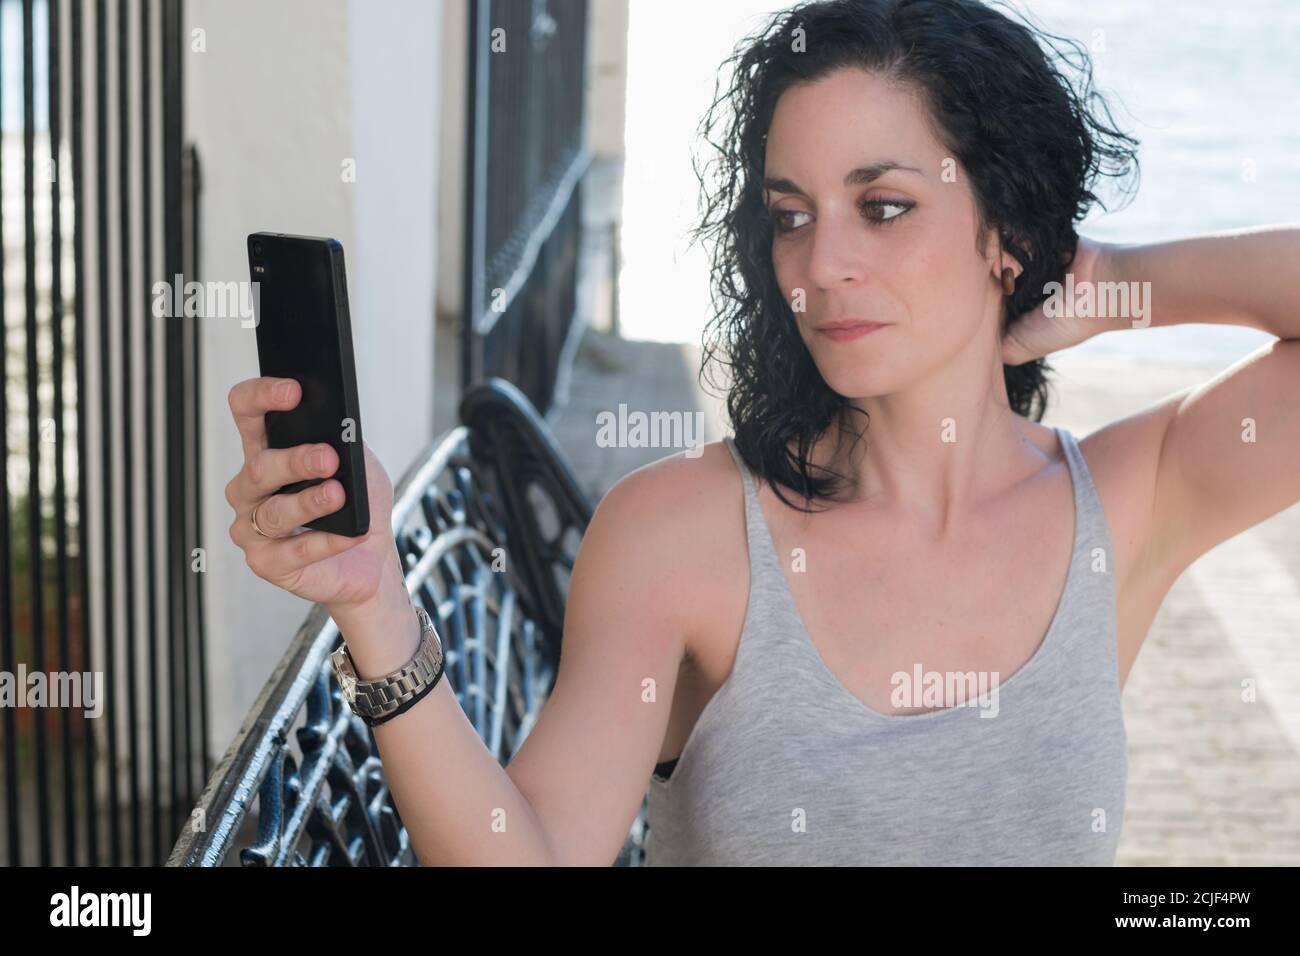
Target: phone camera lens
257, 248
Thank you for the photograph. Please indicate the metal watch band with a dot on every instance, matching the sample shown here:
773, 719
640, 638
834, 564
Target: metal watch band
379, 700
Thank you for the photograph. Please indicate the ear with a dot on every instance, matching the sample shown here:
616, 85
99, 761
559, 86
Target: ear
1000, 257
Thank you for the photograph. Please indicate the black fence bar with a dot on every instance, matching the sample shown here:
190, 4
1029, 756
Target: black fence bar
194, 192
189, 333
150, 454
128, 320
54, 113
88, 658
476, 143
173, 263
106, 417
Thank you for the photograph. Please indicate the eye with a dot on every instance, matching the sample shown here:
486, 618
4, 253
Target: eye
785, 221
781, 217
882, 204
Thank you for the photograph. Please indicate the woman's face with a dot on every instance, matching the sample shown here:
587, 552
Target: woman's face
895, 246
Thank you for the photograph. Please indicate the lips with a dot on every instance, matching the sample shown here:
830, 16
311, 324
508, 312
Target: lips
847, 330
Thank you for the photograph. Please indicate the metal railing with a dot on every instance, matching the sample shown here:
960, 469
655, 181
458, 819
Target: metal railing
526, 155
487, 525
99, 415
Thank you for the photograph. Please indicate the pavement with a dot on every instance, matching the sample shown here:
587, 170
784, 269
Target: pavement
1213, 779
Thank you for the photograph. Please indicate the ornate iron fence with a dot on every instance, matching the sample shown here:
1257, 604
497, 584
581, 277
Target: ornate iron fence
302, 783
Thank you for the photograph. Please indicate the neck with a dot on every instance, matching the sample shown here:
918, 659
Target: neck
935, 450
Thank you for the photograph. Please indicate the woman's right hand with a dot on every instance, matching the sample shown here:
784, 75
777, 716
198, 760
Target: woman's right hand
333, 569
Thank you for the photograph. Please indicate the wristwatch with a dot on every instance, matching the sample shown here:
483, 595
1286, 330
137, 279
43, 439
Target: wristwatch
382, 699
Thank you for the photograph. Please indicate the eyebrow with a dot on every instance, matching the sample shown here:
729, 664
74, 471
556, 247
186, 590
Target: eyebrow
857, 177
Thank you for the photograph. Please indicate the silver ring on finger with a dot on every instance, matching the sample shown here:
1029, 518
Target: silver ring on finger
252, 517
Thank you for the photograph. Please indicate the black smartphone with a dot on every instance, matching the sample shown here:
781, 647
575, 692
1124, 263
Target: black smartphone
304, 332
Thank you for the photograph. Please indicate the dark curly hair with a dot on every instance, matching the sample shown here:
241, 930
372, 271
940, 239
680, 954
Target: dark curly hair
1024, 136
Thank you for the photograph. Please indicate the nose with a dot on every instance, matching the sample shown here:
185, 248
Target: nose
837, 252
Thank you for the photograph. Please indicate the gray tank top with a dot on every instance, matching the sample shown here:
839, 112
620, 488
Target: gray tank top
786, 766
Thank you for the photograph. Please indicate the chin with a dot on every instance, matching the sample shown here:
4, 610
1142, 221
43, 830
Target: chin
859, 376
859, 383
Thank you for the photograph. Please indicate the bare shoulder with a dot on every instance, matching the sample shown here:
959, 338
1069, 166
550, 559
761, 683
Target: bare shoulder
689, 482
680, 520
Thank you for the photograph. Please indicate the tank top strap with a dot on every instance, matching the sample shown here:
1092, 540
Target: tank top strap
761, 547
751, 490
1093, 551
771, 615
759, 671
745, 474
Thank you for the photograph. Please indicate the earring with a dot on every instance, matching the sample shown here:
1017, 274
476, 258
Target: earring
1008, 281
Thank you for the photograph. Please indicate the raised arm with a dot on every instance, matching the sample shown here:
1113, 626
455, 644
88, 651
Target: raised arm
1229, 455
572, 791
1225, 453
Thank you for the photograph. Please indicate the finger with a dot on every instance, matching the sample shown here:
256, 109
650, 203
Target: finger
251, 399
272, 468
281, 559
279, 515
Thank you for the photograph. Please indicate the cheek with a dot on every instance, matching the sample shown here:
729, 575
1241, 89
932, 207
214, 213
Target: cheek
944, 289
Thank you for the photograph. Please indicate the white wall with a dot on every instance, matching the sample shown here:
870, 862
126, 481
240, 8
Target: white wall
451, 157
395, 67
607, 78
284, 94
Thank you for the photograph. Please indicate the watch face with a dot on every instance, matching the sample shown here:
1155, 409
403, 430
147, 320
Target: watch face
346, 681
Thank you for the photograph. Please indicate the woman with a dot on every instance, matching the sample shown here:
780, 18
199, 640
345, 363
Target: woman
890, 621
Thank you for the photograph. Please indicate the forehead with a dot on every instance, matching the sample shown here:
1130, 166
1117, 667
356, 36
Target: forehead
844, 119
